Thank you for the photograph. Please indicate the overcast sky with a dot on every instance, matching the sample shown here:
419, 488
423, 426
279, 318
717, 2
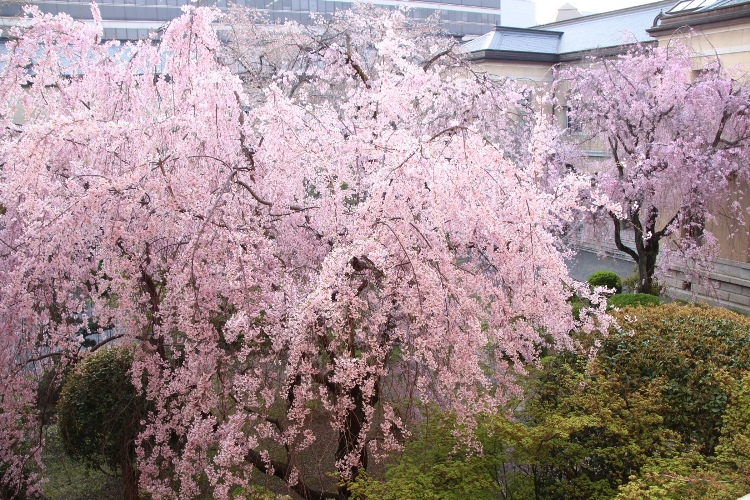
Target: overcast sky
546, 10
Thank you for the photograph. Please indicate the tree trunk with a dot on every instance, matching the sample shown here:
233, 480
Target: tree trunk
349, 437
129, 473
647, 253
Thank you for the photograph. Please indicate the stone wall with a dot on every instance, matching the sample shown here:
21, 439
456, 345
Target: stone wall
728, 286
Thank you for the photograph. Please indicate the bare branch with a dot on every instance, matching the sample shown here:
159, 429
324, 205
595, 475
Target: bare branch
434, 58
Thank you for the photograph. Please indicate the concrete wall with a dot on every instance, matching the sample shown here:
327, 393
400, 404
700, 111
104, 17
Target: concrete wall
730, 43
728, 286
534, 72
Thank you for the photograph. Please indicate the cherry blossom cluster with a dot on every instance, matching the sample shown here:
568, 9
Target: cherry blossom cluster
304, 225
678, 130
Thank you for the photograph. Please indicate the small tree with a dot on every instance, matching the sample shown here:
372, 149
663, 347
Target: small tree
678, 140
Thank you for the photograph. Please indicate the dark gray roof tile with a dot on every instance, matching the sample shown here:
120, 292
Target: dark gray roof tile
516, 40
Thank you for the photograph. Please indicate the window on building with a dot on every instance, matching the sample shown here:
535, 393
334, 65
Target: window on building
573, 126
686, 5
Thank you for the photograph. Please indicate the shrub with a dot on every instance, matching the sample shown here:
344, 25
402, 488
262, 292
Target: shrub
661, 411
584, 436
632, 300
653, 402
689, 348
435, 465
694, 476
99, 414
608, 279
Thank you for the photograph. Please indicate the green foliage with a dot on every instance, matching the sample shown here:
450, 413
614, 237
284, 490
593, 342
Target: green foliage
583, 437
687, 348
694, 476
661, 411
71, 480
650, 408
434, 465
99, 412
632, 300
607, 279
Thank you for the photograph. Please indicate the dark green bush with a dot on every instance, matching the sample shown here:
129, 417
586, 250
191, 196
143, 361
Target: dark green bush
584, 436
658, 389
633, 300
606, 278
99, 414
692, 476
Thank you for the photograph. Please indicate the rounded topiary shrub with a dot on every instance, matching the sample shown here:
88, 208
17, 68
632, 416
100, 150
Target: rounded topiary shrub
632, 300
99, 414
608, 279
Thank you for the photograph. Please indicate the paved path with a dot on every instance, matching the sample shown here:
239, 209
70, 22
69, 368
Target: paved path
585, 263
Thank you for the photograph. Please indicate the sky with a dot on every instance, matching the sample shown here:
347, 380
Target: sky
546, 10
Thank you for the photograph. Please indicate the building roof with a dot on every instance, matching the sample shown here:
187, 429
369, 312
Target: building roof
718, 4
608, 29
701, 14
516, 40
571, 39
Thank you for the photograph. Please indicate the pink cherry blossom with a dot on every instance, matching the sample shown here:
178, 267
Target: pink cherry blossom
344, 217
679, 140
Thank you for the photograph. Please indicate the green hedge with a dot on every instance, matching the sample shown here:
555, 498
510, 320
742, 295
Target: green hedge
633, 300
688, 349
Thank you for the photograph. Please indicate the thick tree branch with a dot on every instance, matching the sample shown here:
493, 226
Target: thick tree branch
292, 208
357, 68
720, 130
253, 193
43, 356
434, 58
663, 232
107, 341
618, 239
